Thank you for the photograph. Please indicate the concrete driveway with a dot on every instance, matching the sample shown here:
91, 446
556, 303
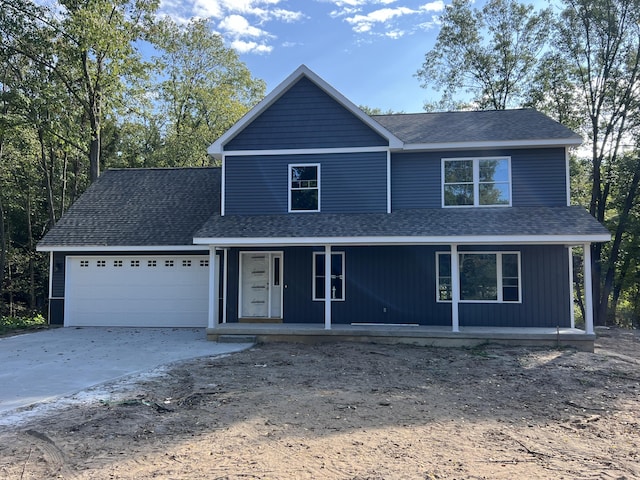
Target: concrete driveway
51, 363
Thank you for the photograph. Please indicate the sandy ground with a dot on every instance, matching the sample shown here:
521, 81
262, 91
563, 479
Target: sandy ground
348, 411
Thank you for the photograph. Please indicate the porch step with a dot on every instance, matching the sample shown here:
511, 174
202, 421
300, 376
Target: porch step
236, 339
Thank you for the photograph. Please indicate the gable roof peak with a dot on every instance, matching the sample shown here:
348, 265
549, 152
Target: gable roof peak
217, 148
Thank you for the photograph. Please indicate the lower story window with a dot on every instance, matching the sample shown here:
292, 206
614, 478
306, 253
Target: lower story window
337, 276
484, 276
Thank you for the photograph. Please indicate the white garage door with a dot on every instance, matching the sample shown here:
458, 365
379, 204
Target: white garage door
137, 291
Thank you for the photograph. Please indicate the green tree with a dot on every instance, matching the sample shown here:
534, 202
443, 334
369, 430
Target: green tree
599, 42
88, 46
490, 53
204, 90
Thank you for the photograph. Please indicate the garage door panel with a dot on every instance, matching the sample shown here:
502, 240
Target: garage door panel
137, 291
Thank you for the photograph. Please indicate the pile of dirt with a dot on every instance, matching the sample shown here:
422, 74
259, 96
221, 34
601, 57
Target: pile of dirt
352, 411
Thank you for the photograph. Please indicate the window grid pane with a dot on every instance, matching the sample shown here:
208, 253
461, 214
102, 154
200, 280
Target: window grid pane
476, 182
484, 277
304, 187
337, 276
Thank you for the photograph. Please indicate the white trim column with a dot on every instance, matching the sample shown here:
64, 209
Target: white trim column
214, 269
588, 290
225, 274
455, 288
327, 287
572, 304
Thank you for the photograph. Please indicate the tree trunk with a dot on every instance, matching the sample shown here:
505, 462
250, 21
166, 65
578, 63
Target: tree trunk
3, 250
614, 254
32, 272
47, 179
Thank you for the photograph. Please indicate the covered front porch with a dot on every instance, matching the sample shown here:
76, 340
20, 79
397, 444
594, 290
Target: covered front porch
434, 336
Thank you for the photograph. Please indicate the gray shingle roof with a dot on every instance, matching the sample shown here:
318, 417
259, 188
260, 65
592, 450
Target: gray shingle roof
480, 126
507, 222
140, 207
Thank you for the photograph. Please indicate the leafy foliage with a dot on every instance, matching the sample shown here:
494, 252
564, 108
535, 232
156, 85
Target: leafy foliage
489, 53
76, 97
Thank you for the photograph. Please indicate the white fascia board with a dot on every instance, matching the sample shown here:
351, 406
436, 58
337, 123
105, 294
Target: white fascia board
120, 248
217, 147
304, 151
418, 240
564, 142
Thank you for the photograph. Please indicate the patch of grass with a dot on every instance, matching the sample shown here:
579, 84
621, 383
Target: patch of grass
11, 325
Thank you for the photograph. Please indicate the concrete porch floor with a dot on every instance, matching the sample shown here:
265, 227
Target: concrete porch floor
436, 336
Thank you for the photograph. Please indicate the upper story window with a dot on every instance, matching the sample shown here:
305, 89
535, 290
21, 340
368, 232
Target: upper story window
476, 182
304, 188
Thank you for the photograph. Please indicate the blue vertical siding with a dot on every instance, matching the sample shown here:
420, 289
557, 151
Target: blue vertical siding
538, 177
305, 117
57, 280
397, 285
545, 292
349, 183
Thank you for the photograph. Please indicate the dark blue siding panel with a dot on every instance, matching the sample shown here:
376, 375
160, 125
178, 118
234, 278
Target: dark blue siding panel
57, 280
305, 117
415, 180
298, 306
397, 285
349, 183
393, 285
538, 177
56, 311
545, 292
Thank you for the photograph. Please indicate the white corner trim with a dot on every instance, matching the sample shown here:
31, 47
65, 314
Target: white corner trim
568, 176
223, 185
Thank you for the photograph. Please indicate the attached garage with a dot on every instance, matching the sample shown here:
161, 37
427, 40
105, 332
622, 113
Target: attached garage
137, 291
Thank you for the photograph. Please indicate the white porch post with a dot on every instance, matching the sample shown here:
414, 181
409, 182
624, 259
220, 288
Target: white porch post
588, 290
572, 305
225, 266
214, 269
455, 288
327, 287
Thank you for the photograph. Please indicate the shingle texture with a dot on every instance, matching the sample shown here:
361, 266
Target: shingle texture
140, 207
169, 207
513, 221
480, 126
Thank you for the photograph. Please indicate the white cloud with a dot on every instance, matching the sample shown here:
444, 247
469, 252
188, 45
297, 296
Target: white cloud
364, 23
246, 23
437, 6
238, 26
379, 18
206, 9
250, 47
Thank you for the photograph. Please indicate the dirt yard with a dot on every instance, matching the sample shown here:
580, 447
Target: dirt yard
349, 411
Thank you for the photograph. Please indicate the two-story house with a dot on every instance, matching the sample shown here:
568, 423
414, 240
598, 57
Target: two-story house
325, 221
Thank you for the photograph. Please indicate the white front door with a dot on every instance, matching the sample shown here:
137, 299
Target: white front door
261, 285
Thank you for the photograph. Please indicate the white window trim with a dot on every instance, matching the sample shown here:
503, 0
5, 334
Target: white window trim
476, 181
499, 279
292, 165
313, 283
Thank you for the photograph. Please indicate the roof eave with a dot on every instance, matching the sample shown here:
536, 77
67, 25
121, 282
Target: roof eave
117, 248
569, 239
561, 142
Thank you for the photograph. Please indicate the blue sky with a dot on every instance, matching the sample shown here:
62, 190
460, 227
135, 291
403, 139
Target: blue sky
369, 50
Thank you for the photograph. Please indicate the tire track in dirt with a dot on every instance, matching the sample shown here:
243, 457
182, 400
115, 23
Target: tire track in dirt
53, 456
